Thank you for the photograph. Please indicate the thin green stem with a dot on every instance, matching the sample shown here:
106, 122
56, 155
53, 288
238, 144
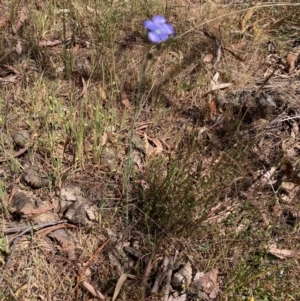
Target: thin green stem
129, 158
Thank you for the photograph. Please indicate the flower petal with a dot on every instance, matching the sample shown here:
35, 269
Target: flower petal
168, 29
163, 37
150, 25
153, 37
159, 20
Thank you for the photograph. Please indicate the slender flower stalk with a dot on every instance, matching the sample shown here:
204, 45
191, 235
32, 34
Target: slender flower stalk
159, 30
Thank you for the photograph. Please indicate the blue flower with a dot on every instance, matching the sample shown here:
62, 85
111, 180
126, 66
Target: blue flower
159, 29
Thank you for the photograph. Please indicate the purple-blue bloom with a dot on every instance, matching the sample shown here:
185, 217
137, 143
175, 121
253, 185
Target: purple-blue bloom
158, 29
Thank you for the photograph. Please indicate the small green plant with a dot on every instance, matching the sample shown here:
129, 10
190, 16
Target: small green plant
4, 246
159, 30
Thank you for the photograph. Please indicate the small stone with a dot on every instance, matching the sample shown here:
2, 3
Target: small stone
35, 178
76, 213
71, 193
21, 138
21, 203
183, 277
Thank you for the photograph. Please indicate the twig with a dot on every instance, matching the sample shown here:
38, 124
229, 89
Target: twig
218, 52
17, 154
91, 259
35, 227
218, 46
159, 277
147, 272
81, 273
169, 275
17, 238
264, 83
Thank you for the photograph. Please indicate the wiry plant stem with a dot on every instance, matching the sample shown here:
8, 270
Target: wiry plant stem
129, 157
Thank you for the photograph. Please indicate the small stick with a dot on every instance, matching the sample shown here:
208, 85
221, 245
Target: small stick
91, 259
17, 154
159, 277
35, 227
80, 274
169, 275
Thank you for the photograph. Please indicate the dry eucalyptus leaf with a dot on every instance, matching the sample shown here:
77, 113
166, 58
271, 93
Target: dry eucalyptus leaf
291, 59
120, 283
282, 253
220, 86
93, 291
152, 150
247, 17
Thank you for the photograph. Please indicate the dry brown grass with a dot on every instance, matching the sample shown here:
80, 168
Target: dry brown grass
202, 193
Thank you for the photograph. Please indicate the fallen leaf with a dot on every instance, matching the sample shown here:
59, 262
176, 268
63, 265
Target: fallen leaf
207, 284
125, 101
104, 138
93, 291
215, 79
19, 48
220, 86
142, 126
120, 283
208, 58
152, 150
21, 20
248, 16
101, 92
84, 88
49, 43
11, 68
213, 108
282, 253
292, 58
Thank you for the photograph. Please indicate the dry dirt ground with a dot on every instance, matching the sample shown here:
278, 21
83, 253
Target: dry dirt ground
129, 178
